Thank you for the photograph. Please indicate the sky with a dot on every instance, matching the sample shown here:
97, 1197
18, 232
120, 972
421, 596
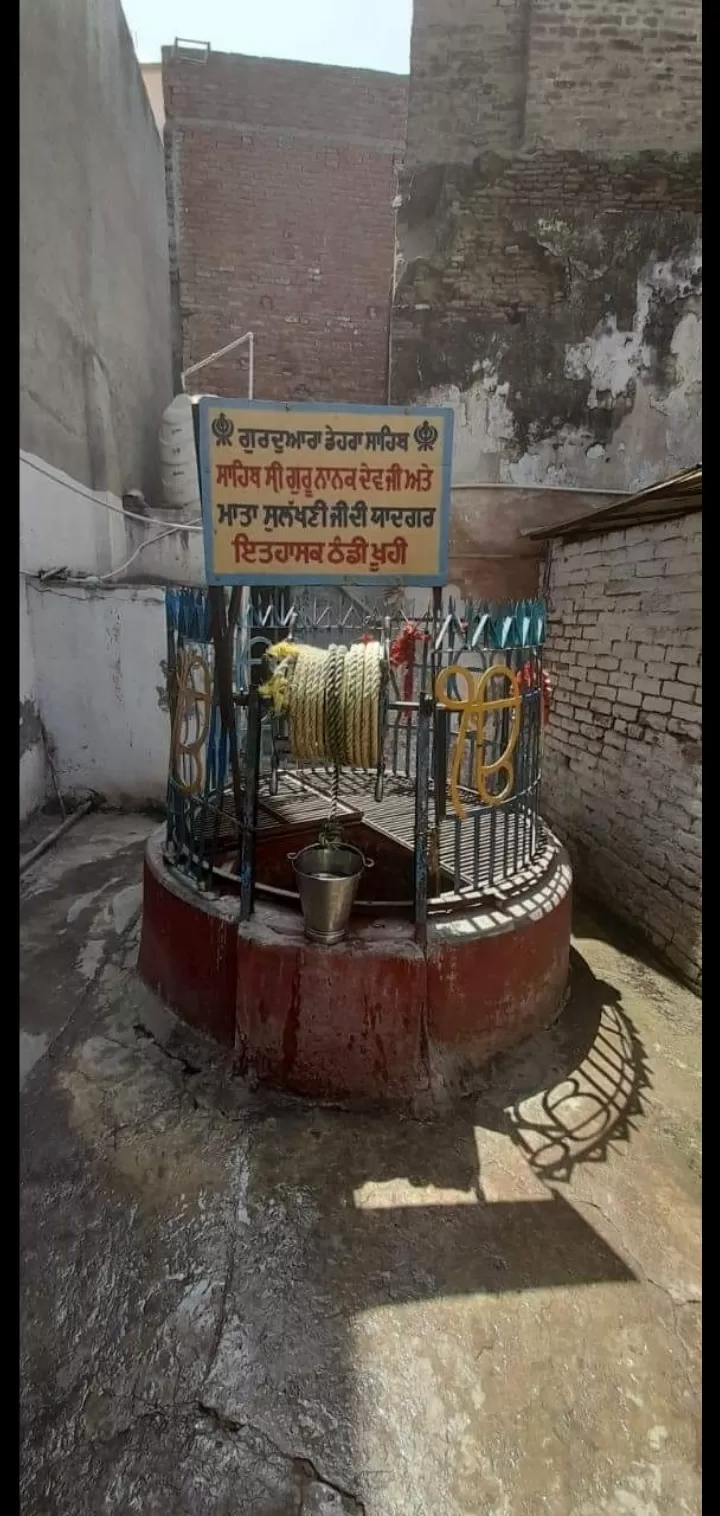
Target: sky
356, 33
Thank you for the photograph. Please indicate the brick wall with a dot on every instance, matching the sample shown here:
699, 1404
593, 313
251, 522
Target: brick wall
281, 180
468, 78
622, 768
613, 75
580, 74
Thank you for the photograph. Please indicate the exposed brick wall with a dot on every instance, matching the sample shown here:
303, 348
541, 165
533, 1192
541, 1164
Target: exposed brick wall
614, 75
468, 78
622, 767
281, 180
583, 74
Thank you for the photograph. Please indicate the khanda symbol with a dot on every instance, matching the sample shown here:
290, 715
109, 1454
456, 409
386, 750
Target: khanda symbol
193, 703
222, 429
473, 711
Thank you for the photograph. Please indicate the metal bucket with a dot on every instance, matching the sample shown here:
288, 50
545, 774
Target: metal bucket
327, 881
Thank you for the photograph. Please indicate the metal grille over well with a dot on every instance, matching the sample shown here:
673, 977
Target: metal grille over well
232, 780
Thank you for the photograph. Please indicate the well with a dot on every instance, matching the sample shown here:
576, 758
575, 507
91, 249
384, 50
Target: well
458, 941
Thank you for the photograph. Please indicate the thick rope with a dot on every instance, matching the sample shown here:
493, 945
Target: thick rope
315, 697
331, 699
370, 705
334, 729
355, 664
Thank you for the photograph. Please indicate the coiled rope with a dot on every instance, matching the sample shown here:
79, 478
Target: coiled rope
331, 699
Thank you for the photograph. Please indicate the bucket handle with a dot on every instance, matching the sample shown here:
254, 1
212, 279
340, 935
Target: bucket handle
368, 863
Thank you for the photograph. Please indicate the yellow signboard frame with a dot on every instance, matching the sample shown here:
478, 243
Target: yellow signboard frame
324, 494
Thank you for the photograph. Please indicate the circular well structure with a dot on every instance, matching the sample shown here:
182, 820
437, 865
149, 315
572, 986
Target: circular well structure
458, 943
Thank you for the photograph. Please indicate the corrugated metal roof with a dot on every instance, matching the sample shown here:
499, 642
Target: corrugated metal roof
678, 496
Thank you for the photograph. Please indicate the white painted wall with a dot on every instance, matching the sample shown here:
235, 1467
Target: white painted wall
65, 525
101, 689
91, 653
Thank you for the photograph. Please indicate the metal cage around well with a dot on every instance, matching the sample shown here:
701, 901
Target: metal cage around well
233, 784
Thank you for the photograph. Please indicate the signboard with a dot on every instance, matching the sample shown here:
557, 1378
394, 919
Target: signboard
321, 494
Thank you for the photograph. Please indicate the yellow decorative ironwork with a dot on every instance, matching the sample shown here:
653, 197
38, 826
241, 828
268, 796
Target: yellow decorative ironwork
193, 704
473, 711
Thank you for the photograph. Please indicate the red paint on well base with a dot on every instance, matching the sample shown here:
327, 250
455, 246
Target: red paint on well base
378, 1017
342, 1021
486, 994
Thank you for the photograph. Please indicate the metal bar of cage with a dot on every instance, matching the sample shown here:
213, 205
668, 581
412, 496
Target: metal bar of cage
249, 817
422, 792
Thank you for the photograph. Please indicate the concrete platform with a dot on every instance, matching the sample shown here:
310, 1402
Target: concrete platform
234, 1305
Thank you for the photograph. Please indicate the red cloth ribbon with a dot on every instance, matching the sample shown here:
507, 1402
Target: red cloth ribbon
528, 677
402, 655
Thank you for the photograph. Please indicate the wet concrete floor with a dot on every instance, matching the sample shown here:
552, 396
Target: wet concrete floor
236, 1305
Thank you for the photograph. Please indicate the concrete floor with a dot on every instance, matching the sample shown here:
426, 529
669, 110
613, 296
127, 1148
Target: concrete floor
237, 1306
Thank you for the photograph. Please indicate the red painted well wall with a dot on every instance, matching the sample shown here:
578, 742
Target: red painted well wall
377, 1017
189, 957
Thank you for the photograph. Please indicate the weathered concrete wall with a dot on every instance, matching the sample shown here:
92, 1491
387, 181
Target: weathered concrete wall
489, 556
554, 301
549, 273
94, 289
281, 179
622, 766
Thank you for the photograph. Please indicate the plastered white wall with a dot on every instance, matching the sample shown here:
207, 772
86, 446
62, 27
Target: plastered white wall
91, 654
65, 525
101, 689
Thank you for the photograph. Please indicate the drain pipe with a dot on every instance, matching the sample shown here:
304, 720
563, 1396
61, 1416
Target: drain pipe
55, 836
248, 337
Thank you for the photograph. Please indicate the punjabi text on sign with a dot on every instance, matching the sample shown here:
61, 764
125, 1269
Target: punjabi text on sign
357, 553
